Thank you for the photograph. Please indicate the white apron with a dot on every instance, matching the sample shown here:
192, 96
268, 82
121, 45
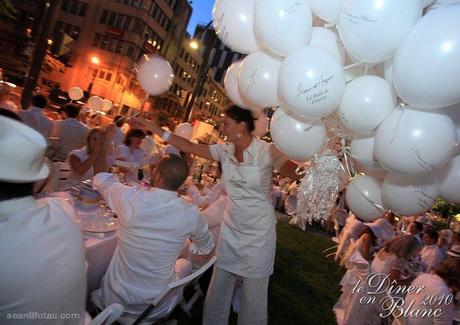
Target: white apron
248, 236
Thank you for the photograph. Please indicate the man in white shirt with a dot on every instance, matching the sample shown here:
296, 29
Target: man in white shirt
153, 227
431, 255
42, 272
71, 133
35, 118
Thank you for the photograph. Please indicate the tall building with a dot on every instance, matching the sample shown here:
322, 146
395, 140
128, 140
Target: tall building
221, 56
109, 37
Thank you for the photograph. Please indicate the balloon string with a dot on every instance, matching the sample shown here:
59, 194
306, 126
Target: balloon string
377, 206
353, 65
366, 69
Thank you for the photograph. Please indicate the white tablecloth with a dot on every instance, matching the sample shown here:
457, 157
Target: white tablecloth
99, 252
99, 246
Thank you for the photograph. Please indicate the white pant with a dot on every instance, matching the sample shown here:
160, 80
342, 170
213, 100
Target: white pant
219, 298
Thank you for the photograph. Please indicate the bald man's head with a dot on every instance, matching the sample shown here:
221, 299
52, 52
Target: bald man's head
170, 172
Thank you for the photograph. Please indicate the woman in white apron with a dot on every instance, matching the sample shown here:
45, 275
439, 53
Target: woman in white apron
248, 236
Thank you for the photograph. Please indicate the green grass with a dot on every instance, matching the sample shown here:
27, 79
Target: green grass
304, 286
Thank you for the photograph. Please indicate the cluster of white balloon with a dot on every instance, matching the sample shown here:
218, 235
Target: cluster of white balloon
368, 56
94, 103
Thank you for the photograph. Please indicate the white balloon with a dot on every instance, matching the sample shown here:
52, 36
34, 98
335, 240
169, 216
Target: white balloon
364, 198
427, 63
454, 113
411, 142
362, 149
233, 22
426, 3
367, 101
327, 10
328, 40
231, 86
106, 105
311, 82
378, 173
261, 124
283, 26
184, 130
95, 103
155, 75
409, 195
75, 93
438, 4
449, 178
297, 139
371, 30
388, 71
258, 79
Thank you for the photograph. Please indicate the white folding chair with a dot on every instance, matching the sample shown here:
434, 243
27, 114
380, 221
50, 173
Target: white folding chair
59, 175
181, 283
106, 317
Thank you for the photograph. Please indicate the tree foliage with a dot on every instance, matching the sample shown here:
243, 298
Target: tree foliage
446, 209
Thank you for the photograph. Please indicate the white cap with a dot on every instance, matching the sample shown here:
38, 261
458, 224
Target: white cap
22, 154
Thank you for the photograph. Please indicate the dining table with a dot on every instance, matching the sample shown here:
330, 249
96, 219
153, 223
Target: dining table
100, 236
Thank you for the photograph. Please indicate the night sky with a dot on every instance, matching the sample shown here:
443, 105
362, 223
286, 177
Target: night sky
201, 13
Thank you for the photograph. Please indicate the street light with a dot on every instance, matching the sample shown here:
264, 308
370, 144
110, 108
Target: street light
209, 40
194, 45
95, 61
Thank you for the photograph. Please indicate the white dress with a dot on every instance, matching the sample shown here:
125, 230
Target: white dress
436, 289
368, 314
248, 238
357, 269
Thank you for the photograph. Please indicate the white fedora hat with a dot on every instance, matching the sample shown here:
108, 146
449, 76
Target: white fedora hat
22, 153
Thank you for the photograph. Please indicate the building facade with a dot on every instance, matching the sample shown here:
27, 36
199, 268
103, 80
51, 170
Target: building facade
221, 56
109, 38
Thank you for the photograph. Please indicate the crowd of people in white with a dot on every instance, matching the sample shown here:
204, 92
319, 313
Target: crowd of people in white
42, 252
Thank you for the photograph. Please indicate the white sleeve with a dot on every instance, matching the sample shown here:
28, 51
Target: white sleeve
120, 152
119, 197
217, 151
202, 240
209, 198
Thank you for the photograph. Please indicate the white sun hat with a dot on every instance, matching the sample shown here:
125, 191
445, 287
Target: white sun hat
22, 153
382, 229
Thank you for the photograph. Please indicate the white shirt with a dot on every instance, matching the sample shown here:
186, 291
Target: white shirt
171, 150
149, 145
35, 118
72, 135
153, 227
137, 158
118, 136
434, 286
42, 261
247, 240
82, 155
431, 257
214, 193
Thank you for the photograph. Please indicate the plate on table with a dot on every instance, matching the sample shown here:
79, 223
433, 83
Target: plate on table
93, 222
